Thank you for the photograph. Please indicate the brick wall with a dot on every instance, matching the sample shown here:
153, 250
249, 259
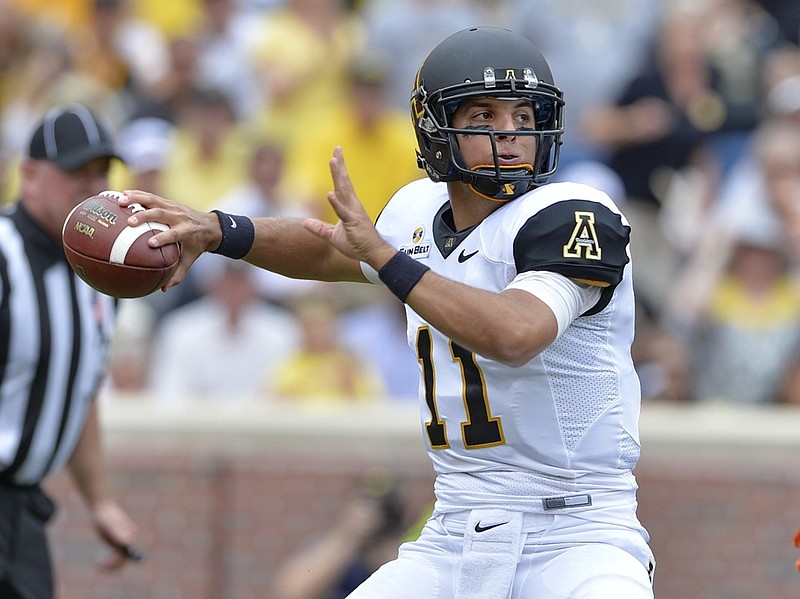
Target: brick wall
221, 495
720, 495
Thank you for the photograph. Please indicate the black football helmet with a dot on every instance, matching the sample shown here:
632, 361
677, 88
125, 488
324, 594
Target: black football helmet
481, 62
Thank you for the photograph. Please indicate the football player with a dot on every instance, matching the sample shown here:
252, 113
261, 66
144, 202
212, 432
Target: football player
520, 310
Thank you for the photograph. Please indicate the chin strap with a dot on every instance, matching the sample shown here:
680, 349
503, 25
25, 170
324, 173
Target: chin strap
516, 183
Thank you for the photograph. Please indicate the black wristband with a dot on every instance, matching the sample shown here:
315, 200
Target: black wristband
238, 234
401, 273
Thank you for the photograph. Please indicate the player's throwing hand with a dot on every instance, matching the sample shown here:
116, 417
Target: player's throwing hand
196, 232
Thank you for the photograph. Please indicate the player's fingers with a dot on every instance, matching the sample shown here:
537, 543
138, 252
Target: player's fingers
339, 206
134, 195
163, 238
341, 178
179, 274
347, 208
145, 198
152, 208
155, 214
196, 232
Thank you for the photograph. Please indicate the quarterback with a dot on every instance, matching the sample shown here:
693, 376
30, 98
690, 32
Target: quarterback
520, 310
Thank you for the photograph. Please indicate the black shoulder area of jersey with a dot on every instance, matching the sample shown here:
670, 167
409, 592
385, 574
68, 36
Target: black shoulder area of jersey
579, 239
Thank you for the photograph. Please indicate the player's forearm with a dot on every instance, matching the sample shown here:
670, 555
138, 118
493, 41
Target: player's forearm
510, 327
285, 246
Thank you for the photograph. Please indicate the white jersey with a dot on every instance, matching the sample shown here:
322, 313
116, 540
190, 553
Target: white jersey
560, 432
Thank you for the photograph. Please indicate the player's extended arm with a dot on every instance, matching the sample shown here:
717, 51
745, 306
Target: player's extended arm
282, 245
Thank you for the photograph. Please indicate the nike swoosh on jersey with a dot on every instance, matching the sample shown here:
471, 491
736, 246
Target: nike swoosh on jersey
462, 257
479, 528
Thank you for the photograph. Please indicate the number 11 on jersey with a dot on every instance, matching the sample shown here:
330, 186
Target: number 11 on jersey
480, 429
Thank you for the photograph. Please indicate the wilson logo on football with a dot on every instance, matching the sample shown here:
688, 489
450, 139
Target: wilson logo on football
96, 209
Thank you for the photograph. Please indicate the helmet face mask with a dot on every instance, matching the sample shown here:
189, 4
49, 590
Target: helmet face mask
485, 62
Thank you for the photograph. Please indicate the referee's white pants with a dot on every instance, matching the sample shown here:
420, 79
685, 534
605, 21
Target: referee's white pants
557, 556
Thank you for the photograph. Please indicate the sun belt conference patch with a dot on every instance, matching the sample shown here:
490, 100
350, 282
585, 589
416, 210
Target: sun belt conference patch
420, 245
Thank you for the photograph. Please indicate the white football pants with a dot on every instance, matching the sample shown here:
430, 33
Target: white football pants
495, 554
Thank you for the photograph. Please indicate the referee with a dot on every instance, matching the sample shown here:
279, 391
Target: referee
54, 336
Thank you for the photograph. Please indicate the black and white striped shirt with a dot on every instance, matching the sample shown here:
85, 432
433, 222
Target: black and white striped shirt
54, 336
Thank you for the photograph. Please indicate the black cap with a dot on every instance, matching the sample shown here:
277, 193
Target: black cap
370, 69
71, 137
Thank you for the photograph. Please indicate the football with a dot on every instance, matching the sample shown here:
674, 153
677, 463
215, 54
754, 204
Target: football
112, 257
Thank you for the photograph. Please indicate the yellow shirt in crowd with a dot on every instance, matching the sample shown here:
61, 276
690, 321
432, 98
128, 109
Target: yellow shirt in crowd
379, 162
334, 376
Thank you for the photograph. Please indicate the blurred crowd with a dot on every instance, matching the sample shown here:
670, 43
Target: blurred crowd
686, 112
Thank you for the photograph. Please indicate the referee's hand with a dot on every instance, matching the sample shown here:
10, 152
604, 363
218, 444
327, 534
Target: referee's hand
118, 531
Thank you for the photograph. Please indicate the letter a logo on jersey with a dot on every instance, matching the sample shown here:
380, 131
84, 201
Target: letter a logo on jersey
583, 243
